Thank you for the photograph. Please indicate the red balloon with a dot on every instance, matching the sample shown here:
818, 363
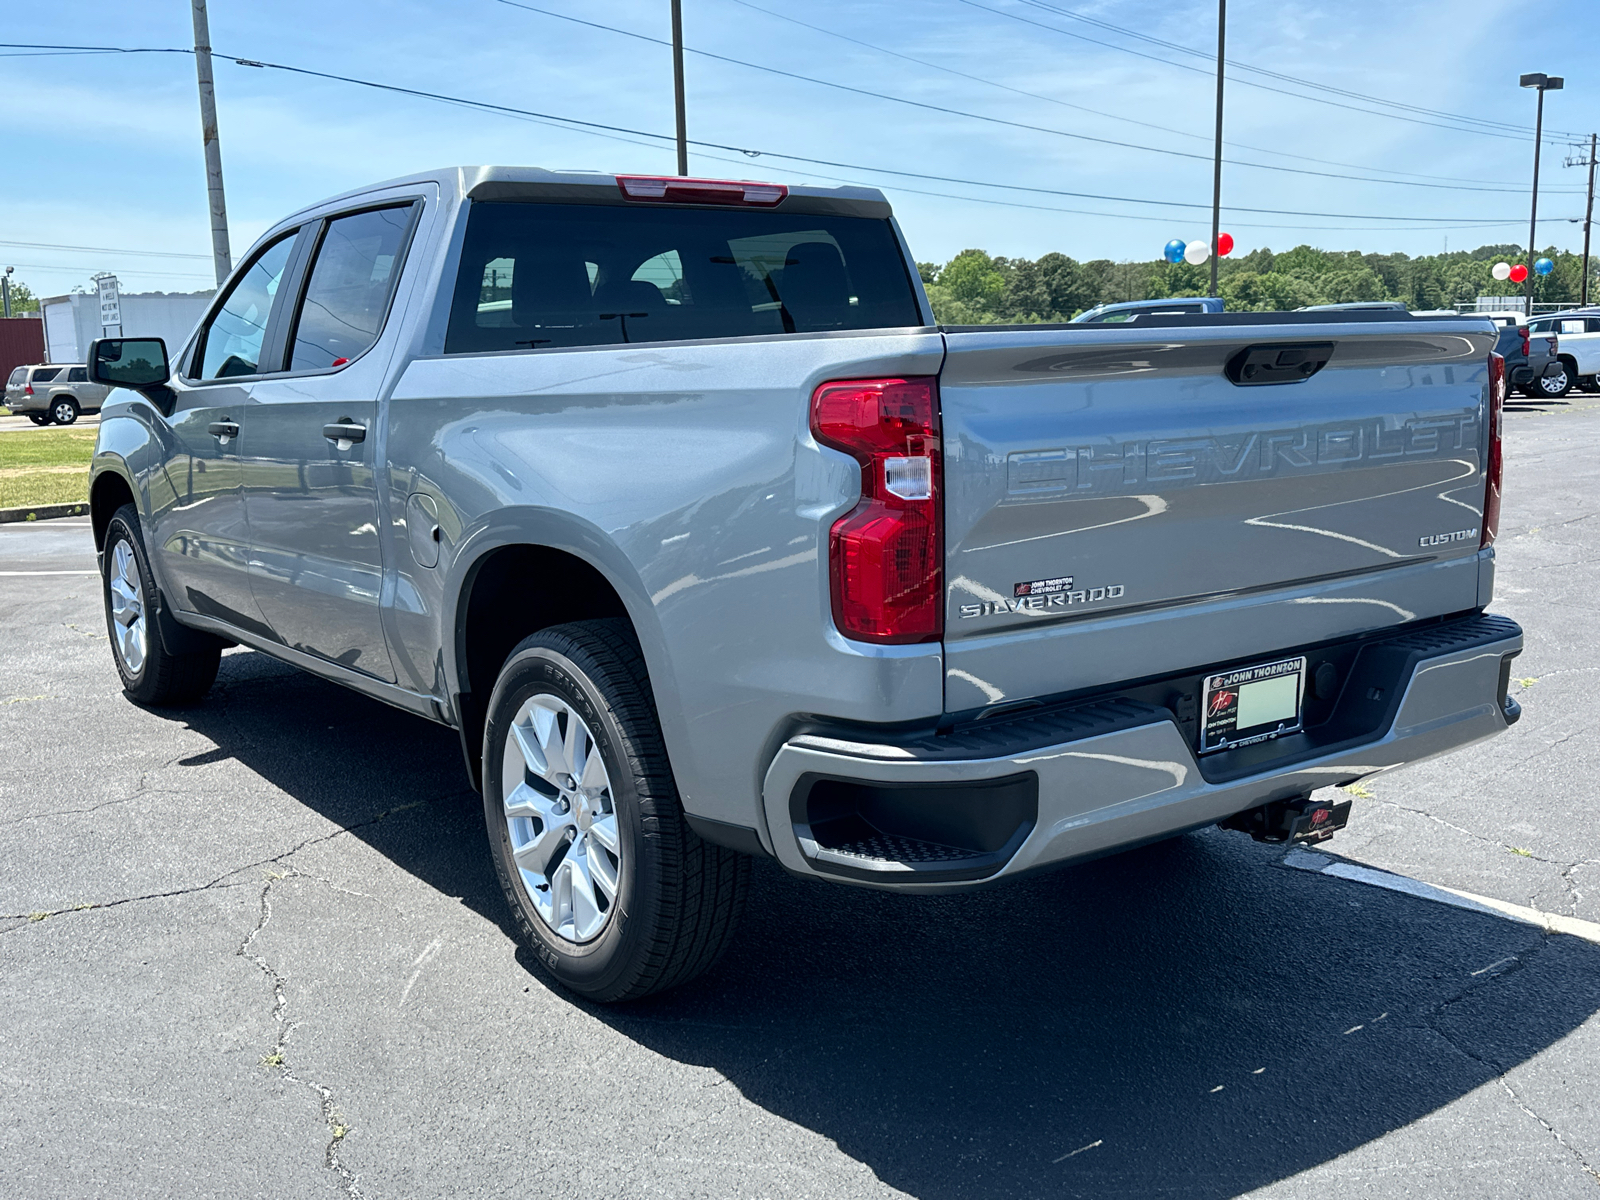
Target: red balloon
1519, 273
1224, 243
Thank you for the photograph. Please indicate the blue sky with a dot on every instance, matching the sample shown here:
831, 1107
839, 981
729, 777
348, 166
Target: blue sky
104, 151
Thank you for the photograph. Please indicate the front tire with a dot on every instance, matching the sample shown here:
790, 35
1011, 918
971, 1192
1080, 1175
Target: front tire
607, 884
149, 674
64, 410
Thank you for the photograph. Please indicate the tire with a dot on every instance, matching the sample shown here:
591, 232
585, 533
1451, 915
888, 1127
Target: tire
675, 899
1553, 387
150, 675
40, 419
63, 410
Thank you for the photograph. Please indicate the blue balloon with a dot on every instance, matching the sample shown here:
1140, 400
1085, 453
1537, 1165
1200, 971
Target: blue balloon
1543, 266
1174, 250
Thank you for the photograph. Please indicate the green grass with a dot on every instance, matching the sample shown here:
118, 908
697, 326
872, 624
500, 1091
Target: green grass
47, 467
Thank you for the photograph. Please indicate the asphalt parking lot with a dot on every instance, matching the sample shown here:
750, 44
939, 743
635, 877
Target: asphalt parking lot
255, 948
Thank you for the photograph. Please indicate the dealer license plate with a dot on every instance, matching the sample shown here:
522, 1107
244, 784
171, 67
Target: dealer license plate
1252, 704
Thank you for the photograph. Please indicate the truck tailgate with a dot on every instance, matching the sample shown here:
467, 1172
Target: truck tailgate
1117, 507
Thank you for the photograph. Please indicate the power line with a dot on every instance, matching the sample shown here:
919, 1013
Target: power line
79, 267
1023, 125
1246, 82
561, 121
1112, 116
101, 250
1519, 130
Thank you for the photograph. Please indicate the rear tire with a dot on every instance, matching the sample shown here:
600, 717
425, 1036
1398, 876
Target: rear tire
40, 419
564, 831
1553, 387
149, 674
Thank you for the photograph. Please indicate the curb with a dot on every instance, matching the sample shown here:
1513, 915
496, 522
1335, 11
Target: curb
43, 512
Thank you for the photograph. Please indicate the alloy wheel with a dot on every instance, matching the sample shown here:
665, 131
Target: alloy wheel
129, 628
562, 818
1554, 385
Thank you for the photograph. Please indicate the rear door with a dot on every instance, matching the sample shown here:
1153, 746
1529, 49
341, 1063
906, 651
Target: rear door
1580, 337
1119, 507
310, 489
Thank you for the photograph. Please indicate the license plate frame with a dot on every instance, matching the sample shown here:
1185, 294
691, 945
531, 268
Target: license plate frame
1227, 695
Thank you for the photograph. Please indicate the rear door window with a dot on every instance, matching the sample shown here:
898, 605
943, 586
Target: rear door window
544, 275
347, 294
233, 337
78, 375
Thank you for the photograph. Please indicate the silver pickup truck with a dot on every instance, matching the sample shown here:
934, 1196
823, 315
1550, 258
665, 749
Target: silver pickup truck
672, 498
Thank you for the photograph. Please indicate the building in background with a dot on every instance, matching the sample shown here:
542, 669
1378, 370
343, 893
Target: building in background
21, 342
72, 322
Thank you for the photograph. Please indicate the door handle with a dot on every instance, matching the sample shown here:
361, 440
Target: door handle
345, 433
223, 430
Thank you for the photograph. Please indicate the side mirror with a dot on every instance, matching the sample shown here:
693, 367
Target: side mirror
129, 362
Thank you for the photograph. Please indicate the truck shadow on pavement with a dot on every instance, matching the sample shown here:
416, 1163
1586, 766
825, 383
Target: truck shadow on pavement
1189, 1019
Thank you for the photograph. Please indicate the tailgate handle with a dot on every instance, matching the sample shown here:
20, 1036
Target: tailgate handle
1277, 362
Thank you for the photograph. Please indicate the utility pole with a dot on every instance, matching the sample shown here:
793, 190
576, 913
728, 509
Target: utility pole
677, 85
1543, 83
1588, 219
1216, 174
5, 289
222, 257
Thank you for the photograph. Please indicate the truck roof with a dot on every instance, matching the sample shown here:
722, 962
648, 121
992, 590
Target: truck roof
485, 182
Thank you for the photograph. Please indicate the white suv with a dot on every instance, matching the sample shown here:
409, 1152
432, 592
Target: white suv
1579, 333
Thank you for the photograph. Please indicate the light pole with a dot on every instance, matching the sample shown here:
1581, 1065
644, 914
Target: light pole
1543, 83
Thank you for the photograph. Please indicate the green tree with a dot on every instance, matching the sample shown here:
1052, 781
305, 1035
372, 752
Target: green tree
22, 299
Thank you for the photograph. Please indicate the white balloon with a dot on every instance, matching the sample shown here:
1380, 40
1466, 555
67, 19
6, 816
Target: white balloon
1501, 270
1197, 252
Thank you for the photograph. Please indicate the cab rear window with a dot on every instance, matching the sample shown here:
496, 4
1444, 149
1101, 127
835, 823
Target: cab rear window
546, 275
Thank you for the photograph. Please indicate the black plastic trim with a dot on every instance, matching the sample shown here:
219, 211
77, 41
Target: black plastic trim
722, 833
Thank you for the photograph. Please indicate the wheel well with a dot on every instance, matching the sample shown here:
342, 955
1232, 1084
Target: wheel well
111, 492
511, 593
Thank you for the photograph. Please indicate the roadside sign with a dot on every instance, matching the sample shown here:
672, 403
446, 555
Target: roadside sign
110, 303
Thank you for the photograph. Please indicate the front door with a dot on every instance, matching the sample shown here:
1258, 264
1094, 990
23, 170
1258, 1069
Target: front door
197, 528
310, 485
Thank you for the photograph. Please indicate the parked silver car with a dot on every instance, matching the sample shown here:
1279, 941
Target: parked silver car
53, 394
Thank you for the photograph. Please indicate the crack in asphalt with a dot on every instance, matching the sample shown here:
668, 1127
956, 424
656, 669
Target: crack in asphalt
1477, 837
277, 1059
221, 880
1432, 1017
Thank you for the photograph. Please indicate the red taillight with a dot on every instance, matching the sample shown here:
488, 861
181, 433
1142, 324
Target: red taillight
1496, 467
701, 191
1525, 341
28, 391
885, 561
1555, 344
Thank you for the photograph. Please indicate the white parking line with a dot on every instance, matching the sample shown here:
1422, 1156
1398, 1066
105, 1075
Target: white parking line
1305, 860
49, 572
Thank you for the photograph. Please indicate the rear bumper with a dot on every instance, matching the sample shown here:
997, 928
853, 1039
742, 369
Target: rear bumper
1118, 773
